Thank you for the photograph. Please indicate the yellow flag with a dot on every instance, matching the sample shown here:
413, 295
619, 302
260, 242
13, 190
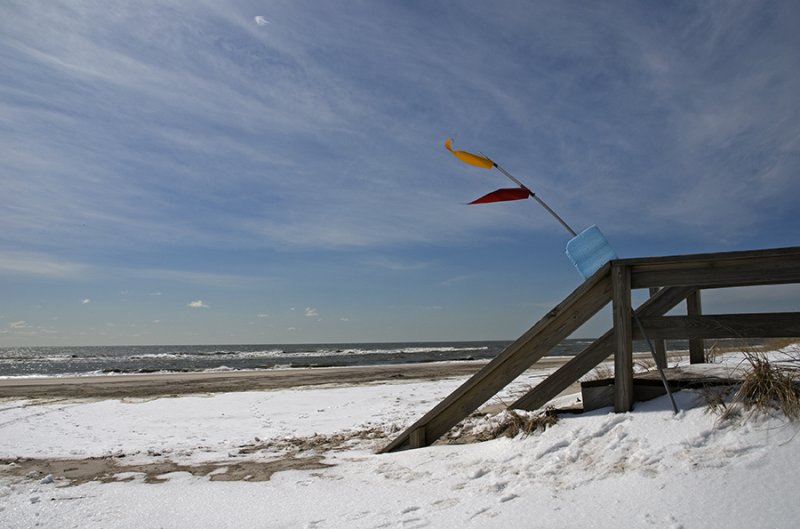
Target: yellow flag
468, 157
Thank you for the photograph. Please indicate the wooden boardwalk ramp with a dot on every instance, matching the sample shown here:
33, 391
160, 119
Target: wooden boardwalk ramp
556, 325
671, 280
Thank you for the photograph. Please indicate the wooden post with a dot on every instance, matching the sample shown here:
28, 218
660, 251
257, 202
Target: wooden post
417, 438
661, 348
697, 354
623, 337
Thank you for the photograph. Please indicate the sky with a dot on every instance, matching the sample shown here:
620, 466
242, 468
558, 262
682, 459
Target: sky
181, 172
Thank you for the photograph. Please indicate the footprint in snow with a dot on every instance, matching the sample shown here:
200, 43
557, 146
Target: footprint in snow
357, 515
484, 510
445, 503
415, 523
479, 473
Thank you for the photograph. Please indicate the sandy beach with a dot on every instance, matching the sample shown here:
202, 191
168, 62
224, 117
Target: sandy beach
305, 445
149, 385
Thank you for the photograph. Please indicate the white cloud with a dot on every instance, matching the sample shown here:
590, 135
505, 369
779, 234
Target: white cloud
197, 304
39, 264
19, 324
196, 278
261, 21
457, 279
85, 301
398, 265
262, 315
311, 312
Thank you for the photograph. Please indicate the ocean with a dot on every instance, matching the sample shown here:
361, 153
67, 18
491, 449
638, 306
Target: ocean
109, 360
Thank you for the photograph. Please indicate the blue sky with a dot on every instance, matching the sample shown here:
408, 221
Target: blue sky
185, 172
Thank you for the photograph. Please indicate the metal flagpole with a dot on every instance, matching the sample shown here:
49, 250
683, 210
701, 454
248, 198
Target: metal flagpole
537, 199
660, 369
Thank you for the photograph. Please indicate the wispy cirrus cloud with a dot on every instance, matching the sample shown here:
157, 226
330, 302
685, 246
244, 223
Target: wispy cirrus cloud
592, 107
42, 265
197, 278
153, 146
37, 264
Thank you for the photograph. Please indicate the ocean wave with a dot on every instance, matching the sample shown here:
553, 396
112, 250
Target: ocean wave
49, 358
280, 353
131, 360
271, 353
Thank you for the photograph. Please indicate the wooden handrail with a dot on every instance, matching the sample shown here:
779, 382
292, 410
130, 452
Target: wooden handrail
721, 270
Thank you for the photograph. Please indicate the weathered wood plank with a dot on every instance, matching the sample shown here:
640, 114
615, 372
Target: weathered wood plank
760, 325
671, 261
595, 353
697, 352
717, 271
623, 338
417, 439
556, 325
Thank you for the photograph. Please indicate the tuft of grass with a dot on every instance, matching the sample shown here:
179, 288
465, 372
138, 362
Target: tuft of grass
713, 353
766, 387
645, 364
514, 424
717, 398
601, 372
778, 344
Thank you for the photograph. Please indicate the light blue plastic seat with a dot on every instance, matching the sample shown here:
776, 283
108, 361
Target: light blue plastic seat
589, 251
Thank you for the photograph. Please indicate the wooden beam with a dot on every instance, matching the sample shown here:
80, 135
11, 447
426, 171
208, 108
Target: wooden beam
623, 338
743, 256
595, 353
583, 303
417, 438
763, 267
697, 352
760, 325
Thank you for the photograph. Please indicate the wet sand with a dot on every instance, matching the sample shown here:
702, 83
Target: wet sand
165, 384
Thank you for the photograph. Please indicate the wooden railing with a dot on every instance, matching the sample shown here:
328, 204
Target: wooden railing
671, 280
699, 272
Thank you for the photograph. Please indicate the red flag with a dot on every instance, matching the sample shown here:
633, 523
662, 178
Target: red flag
503, 195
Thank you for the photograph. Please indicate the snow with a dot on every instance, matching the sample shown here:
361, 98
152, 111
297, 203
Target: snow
648, 468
